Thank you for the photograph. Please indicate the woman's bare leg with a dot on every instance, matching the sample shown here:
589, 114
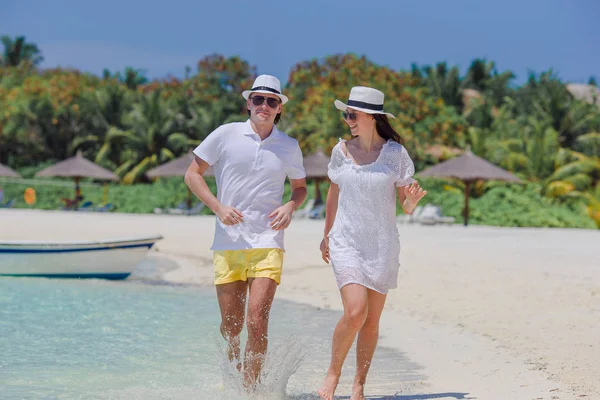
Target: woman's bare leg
367, 342
355, 301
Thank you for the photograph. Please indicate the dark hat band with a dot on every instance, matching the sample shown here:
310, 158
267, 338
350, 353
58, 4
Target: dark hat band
264, 88
362, 104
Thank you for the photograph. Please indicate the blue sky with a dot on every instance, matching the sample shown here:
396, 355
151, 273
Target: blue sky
520, 35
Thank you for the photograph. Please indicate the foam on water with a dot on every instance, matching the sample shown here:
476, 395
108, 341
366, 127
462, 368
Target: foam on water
280, 364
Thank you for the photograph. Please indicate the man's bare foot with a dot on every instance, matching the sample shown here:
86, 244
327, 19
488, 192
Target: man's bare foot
234, 355
249, 384
329, 385
358, 392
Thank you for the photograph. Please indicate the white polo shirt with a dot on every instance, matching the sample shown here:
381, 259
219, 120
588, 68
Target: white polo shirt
250, 175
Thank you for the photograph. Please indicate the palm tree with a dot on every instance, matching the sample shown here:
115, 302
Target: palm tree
18, 51
479, 73
546, 97
574, 178
131, 77
150, 138
484, 77
104, 108
197, 118
442, 82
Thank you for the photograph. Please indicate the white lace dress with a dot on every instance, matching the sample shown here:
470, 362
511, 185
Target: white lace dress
364, 244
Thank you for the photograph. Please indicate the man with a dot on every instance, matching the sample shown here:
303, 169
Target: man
250, 161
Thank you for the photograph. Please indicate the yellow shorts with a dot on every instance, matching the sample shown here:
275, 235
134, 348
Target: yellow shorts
239, 265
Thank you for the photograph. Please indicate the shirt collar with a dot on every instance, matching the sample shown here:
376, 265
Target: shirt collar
249, 131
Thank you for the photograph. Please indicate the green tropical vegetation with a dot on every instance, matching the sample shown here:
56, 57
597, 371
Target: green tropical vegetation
129, 123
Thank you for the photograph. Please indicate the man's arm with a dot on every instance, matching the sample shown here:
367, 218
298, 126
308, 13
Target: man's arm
283, 215
195, 181
298, 192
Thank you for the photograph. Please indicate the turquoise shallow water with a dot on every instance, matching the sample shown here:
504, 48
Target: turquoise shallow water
94, 339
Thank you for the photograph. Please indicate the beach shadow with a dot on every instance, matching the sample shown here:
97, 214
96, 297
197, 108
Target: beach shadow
427, 396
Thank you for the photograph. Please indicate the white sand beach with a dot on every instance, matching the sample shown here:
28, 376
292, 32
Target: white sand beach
488, 313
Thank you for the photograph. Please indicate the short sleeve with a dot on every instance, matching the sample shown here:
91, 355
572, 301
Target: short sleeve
210, 149
335, 163
295, 166
399, 162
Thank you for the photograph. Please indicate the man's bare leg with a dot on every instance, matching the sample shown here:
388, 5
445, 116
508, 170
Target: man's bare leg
232, 302
260, 299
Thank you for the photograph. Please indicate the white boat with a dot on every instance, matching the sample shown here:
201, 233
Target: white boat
106, 259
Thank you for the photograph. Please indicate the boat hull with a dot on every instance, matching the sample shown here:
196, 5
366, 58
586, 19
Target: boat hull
109, 259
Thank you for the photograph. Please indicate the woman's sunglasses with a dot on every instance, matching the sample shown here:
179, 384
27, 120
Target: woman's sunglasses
258, 100
349, 116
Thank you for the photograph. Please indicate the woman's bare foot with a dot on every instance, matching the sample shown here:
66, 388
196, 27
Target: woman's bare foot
358, 392
328, 388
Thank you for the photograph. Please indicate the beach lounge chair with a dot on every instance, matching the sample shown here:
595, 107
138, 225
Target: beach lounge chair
85, 206
197, 209
71, 204
181, 206
432, 215
317, 212
410, 218
104, 208
304, 211
8, 204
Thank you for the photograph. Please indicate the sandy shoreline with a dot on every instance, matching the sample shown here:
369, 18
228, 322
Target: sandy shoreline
490, 313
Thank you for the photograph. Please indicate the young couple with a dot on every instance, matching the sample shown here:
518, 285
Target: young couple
251, 161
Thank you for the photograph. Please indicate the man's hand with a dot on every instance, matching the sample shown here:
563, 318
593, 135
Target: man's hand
282, 217
229, 215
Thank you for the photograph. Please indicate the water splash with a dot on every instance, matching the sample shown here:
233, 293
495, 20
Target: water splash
281, 362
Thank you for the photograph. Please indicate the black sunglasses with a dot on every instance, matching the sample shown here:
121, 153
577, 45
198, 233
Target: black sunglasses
349, 116
258, 100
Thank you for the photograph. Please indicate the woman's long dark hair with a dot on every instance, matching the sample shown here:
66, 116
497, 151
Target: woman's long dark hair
385, 130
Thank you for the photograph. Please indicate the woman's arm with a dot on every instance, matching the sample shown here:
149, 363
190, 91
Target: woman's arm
410, 195
331, 206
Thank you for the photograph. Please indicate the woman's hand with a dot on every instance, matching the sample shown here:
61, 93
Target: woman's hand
325, 249
413, 194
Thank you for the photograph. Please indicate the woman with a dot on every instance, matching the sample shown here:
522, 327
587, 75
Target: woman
361, 237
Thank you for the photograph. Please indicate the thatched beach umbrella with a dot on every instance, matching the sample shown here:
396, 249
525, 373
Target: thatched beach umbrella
584, 92
442, 152
468, 95
78, 167
177, 167
315, 166
469, 168
8, 173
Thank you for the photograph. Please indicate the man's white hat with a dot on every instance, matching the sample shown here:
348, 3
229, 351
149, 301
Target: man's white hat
364, 99
266, 84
